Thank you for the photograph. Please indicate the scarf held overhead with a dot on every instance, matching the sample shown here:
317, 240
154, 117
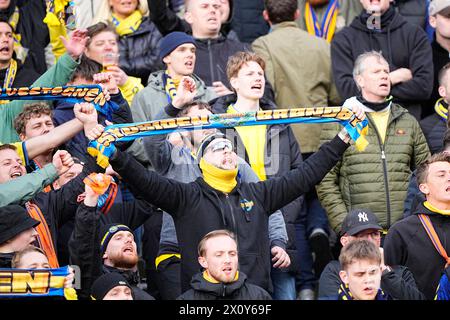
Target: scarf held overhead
87, 93
103, 147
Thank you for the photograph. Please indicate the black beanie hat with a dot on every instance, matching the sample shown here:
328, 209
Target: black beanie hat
106, 233
14, 219
106, 282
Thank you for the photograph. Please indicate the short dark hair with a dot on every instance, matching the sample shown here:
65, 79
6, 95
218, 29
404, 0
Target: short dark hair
359, 250
281, 10
200, 104
7, 146
100, 27
86, 69
443, 74
422, 169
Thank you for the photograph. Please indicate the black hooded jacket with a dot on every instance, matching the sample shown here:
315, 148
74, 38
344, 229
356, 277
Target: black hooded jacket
197, 208
407, 243
238, 290
402, 44
282, 147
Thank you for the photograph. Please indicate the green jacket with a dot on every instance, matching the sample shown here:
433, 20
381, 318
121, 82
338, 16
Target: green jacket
366, 180
22, 189
148, 102
348, 10
300, 75
57, 75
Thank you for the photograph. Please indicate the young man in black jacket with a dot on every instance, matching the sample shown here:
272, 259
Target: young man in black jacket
218, 256
397, 281
217, 200
404, 46
407, 242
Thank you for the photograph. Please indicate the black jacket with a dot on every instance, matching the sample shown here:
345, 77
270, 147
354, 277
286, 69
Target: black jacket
440, 58
133, 279
402, 44
398, 284
238, 290
5, 260
197, 208
248, 21
434, 128
84, 244
25, 76
168, 21
408, 244
139, 51
59, 206
414, 11
282, 148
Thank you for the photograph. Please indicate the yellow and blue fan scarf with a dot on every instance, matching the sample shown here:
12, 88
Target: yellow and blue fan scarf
441, 108
18, 283
325, 29
170, 85
9, 77
345, 294
60, 18
128, 25
103, 147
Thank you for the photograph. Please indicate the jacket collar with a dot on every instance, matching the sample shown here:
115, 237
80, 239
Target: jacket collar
199, 283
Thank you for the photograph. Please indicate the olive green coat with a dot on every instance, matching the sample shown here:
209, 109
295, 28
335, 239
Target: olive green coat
365, 180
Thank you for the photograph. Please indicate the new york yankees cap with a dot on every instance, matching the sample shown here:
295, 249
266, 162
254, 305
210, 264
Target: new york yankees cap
358, 220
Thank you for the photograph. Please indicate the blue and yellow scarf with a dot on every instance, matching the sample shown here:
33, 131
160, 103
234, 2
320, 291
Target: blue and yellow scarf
325, 29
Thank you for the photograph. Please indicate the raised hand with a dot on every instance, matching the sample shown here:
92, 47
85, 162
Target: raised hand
63, 161
76, 44
107, 82
186, 92
118, 74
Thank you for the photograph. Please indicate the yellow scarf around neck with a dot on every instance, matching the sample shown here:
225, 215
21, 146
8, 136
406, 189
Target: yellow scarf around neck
208, 277
129, 24
429, 206
219, 179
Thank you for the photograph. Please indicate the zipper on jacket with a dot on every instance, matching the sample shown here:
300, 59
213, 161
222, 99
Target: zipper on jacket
385, 175
224, 289
211, 65
233, 221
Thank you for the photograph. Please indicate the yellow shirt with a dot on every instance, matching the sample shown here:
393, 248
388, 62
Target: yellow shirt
254, 139
21, 151
381, 122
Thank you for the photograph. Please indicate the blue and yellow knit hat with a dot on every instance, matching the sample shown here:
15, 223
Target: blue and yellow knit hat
107, 231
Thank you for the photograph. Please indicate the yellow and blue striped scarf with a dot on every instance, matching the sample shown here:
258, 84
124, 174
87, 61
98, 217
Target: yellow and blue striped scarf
325, 29
170, 85
128, 25
441, 108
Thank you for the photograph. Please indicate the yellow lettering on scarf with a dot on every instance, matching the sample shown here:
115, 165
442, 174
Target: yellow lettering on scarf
25, 282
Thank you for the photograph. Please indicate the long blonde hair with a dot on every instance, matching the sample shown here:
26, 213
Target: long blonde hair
104, 13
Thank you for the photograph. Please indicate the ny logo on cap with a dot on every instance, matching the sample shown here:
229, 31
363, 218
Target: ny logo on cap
362, 216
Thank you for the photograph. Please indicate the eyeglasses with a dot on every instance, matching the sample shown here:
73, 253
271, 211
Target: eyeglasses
373, 235
221, 145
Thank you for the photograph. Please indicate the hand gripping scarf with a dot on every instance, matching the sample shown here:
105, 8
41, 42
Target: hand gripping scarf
75, 94
103, 147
